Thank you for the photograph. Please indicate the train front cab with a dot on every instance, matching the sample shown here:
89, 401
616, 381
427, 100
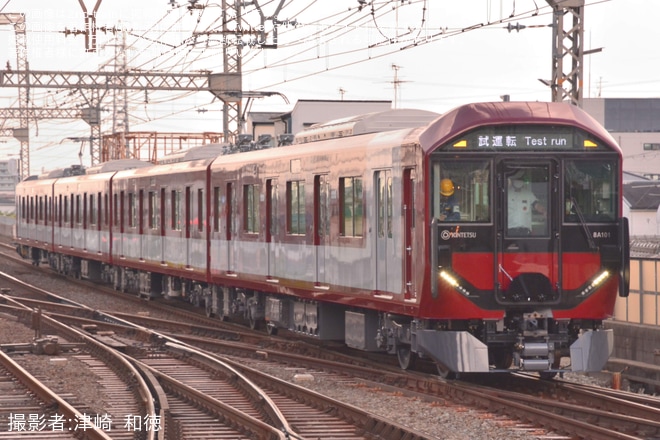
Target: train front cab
527, 271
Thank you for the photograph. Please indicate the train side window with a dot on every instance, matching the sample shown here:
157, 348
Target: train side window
351, 204
383, 183
78, 209
116, 210
231, 219
140, 212
251, 209
189, 211
175, 208
106, 209
92, 210
161, 211
131, 210
121, 211
49, 209
590, 191
271, 207
99, 210
295, 203
65, 210
200, 209
274, 198
216, 208
137, 209
85, 211
151, 215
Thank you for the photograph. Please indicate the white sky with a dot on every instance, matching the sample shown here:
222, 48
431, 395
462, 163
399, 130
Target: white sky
335, 46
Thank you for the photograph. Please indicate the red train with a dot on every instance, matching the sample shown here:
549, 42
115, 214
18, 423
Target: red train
489, 238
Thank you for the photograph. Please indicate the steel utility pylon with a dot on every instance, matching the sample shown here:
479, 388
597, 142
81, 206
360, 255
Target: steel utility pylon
94, 86
567, 50
23, 132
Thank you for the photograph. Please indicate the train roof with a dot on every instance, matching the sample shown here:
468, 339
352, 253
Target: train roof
367, 123
470, 116
73, 170
117, 165
202, 152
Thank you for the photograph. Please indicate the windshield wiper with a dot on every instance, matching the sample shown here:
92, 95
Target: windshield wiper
583, 223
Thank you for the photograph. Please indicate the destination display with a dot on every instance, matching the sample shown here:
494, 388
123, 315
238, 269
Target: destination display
540, 138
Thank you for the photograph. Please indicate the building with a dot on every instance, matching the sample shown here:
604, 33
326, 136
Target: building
635, 124
641, 206
8, 179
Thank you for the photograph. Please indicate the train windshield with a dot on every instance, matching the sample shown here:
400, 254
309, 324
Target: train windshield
463, 193
527, 190
590, 191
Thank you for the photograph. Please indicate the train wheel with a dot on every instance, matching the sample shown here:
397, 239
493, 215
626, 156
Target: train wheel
271, 329
547, 375
502, 359
445, 372
253, 322
405, 356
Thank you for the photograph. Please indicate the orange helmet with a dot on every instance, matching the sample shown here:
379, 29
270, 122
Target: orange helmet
446, 187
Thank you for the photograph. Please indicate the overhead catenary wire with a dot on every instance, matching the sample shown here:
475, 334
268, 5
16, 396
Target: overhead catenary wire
164, 54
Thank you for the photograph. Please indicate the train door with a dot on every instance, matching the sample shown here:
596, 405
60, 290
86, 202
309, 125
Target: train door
271, 225
161, 225
187, 225
527, 241
143, 253
384, 244
85, 224
122, 223
321, 227
408, 230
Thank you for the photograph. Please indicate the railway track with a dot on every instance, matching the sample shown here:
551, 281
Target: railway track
629, 415
585, 424
128, 395
196, 391
34, 411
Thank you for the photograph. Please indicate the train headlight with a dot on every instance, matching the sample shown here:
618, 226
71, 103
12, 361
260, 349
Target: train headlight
597, 282
453, 281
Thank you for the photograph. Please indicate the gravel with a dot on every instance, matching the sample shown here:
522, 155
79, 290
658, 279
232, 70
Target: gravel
444, 420
77, 383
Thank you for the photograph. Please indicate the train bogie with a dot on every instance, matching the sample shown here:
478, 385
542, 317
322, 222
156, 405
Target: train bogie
64, 264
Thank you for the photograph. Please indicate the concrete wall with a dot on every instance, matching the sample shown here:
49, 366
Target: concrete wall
7, 226
636, 342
